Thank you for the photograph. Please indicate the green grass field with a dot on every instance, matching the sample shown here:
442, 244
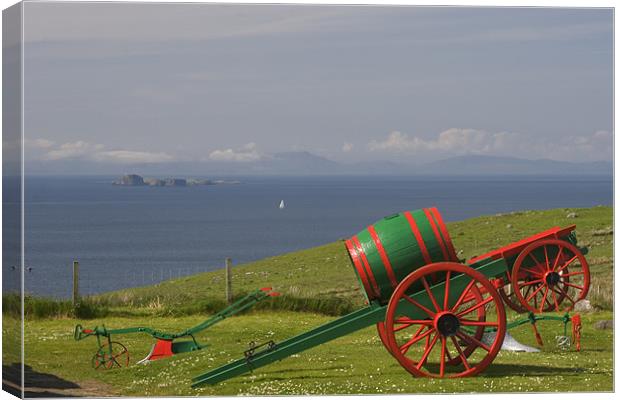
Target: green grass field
357, 363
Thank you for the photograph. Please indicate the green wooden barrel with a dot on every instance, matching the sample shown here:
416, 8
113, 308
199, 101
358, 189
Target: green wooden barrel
387, 251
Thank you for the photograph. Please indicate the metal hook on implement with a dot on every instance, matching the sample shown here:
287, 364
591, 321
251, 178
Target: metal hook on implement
111, 354
251, 351
564, 342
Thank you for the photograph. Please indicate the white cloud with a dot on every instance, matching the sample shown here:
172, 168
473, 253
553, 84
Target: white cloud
596, 146
458, 141
73, 150
247, 153
38, 143
81, 150
347, 147
452, 140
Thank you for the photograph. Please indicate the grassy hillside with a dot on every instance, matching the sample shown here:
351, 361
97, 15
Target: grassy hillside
319, 279
325, 272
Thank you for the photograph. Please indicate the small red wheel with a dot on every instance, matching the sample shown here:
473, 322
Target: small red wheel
426, 339
111, 355
547, 272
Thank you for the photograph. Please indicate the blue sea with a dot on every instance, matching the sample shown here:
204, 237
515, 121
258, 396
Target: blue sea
131, 236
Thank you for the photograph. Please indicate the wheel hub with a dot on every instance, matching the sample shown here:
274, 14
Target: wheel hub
552, 278
447, 323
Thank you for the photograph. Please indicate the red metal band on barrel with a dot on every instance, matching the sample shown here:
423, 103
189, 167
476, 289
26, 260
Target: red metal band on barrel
357, 263
442, 245
418, 237
383, 255
444, 231
371, 276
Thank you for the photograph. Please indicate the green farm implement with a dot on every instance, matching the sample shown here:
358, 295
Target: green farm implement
563, 342
431, 309
112, 354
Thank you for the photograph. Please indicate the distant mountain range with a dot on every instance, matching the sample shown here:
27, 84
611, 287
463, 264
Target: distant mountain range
306, 163
490, 165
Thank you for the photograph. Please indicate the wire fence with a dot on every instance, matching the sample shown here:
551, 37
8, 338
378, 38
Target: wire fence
94, 281
91, 280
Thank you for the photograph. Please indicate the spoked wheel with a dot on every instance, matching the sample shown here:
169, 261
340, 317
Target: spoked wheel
427, 339
548, 273
470, 299
469, 347
382, 336
111, 355
473, 297
507, 293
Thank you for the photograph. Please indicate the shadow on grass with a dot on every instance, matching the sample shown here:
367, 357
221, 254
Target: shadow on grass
504, 370
34, 382
494, 370
508, 370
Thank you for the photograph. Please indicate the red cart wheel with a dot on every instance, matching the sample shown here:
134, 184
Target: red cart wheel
470, 299
473, 297
454, 361
548, 272
382, 336
425, 346
111, 355
509, 297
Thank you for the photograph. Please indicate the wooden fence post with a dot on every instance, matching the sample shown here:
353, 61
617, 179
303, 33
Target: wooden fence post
76, 272
229, 293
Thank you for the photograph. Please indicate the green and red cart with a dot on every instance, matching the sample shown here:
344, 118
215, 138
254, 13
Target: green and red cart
432, 309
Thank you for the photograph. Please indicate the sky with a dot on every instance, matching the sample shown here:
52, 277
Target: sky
123, 84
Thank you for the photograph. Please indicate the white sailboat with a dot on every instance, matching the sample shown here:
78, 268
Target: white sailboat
281, 206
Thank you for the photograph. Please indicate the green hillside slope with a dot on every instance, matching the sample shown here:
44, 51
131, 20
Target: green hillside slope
325, 272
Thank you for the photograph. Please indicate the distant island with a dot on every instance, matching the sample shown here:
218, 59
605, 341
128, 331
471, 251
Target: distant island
137, 180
